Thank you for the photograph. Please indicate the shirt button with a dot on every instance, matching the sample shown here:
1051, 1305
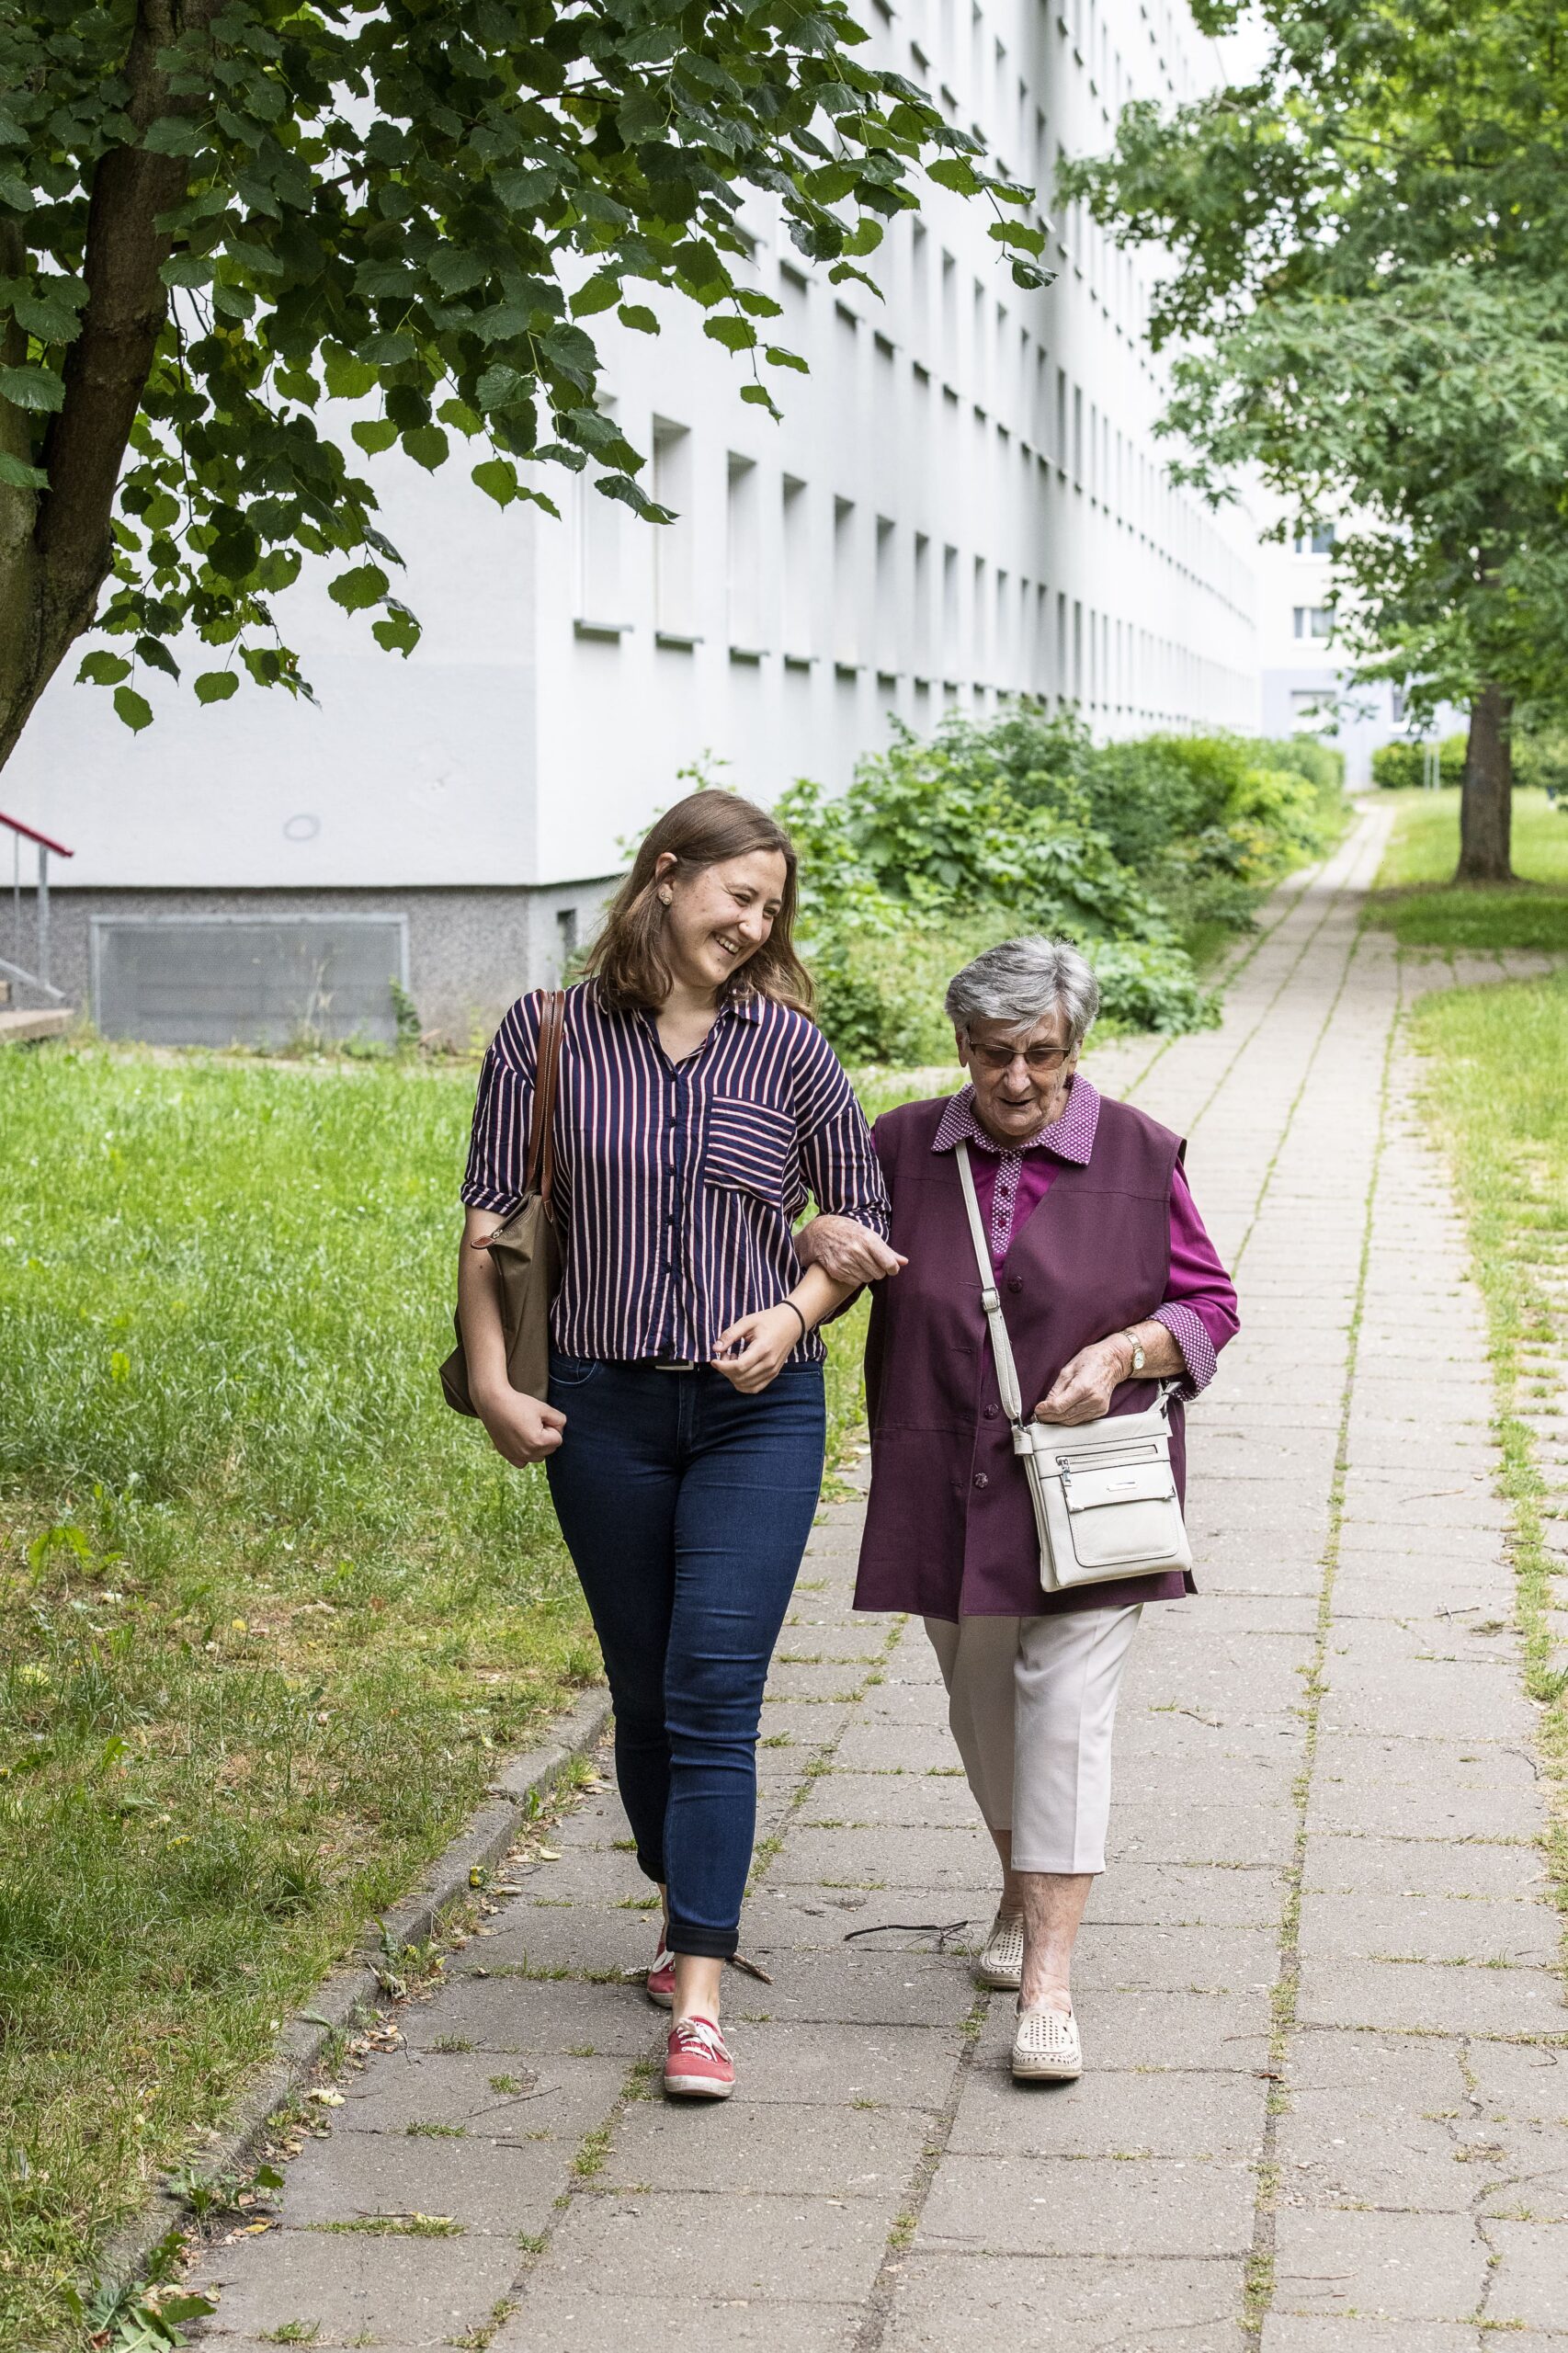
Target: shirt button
981, 1480
1015, 1282
990, 1413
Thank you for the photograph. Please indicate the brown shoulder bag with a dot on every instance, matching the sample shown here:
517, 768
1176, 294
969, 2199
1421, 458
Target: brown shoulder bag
526, 1250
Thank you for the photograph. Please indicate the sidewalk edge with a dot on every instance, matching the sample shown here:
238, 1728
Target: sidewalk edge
513, 1799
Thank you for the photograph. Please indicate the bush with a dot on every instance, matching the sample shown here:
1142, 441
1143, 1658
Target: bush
940, 847
1541, 761
1401, 765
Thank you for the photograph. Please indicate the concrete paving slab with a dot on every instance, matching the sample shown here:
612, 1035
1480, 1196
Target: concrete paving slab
888, 2068
350, 2288
479, 2185
960, 2303
1394, 2267
1424, 1867
520, 2017
1174, 1894
956, 1857
491, 2099
902, 1801
1161, 2112
1532, 2281
1409, 1925
716, 2244
1089, 2206
772, 2146
1432, 1997
574, 2319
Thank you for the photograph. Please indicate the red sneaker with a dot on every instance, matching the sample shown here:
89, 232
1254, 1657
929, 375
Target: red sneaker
697, 2066
661, 1979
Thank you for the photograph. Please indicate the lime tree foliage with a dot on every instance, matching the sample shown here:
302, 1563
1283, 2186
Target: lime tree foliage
1368, 301
1145, 853
216, 213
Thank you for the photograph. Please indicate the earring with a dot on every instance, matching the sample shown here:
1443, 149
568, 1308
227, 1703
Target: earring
666, 898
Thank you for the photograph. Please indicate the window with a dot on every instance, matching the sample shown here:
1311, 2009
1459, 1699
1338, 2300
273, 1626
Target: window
1313, 620
921, 637
948, 648
885, 588
799, 636
845, 599
743, 555
977, 619
675, 569
1310, 705
1319, 540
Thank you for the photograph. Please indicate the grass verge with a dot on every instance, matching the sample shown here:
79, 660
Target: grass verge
1416, 899
268, 1610
1496, 1058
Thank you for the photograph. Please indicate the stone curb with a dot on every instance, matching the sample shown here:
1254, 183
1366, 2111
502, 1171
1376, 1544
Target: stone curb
347, 1991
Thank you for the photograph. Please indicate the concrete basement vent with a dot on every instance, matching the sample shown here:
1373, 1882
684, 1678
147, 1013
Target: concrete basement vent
246, 980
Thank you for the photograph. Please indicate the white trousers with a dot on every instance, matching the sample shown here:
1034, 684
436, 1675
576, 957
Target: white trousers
1032, 1706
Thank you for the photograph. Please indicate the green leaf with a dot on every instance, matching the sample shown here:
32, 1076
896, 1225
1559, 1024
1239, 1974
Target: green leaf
102, 669
134, 709
186, 270
736, 335
157, 656
954, 173
776, 357
367, 584
373, 433
460, 417
48, 313
17, 475
216, 686
427, 446
638, 316
758, 396
397, 631
174, 134
498, 479
523, 191
601, 293
348, 376
34, 388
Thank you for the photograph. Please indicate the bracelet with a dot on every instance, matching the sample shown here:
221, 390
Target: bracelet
805, 1327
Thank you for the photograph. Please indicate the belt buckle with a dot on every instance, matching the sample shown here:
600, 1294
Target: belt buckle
677, 1364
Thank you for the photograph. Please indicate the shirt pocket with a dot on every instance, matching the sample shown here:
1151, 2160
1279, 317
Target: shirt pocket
751, 1149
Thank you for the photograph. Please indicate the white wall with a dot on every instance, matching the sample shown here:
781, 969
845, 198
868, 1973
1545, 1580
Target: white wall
568, 670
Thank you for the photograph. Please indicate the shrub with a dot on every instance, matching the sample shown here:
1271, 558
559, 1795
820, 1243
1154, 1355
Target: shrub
1403, 764
939, 847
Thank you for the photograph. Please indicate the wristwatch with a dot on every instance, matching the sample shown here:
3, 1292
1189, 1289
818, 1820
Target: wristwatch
1136, 1344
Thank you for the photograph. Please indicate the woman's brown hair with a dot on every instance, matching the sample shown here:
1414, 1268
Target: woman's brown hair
628, 957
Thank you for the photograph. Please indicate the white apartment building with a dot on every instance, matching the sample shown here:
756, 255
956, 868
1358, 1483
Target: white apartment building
963, 502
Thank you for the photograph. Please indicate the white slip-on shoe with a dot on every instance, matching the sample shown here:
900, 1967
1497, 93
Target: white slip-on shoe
1046, 2048
1002, 1962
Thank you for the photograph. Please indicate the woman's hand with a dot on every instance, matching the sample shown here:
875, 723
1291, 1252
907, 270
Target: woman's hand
1081, 1390
520, 1428
754, 1350
846, 1250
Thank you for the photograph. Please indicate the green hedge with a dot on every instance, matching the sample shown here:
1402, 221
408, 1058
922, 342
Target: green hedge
1396, 765
1136, 851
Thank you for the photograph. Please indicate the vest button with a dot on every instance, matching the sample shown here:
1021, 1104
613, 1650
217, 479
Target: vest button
992, 1412
1015, 1282
981, 1480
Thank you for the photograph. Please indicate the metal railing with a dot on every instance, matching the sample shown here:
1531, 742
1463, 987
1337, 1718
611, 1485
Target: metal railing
46, 849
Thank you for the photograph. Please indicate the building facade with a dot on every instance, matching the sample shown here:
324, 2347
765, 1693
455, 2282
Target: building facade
962, 504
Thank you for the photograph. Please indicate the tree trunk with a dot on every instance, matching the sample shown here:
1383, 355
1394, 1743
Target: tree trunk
55, 545
1486, 804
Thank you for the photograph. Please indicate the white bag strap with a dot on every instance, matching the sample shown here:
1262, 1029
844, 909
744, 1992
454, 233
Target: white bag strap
990, 1297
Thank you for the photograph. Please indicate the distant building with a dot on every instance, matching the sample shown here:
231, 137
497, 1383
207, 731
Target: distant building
964, 501
1306, 689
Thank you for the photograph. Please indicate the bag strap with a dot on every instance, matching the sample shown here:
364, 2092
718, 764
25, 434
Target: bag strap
990, 1297
540, 1175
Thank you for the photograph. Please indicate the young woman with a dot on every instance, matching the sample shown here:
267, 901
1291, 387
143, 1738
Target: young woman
699, 1107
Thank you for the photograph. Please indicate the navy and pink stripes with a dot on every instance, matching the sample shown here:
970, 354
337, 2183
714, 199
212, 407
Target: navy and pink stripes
677, 1183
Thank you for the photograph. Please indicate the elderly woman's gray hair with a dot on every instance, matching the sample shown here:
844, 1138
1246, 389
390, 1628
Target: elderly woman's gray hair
1022, 981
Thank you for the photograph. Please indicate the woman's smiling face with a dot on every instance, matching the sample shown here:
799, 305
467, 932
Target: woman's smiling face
720, 916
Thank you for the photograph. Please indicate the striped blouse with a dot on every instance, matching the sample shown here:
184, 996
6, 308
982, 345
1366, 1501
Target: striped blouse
677, 1183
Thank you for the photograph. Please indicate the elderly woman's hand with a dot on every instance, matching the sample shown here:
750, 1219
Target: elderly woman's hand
846, 1250
1081, 1390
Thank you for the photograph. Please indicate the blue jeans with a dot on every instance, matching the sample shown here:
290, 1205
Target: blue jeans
685, 1508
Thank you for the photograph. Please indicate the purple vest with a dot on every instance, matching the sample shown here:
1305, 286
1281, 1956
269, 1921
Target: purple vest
949, 1527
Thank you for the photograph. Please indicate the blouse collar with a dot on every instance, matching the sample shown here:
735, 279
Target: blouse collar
1071, 1136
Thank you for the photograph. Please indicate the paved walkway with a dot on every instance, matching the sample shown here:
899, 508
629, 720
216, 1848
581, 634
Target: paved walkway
1328, 2083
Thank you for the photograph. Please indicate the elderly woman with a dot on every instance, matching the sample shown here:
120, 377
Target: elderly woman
1108, 1285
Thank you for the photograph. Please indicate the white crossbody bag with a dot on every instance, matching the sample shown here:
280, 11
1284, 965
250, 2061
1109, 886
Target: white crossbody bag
1105, 1496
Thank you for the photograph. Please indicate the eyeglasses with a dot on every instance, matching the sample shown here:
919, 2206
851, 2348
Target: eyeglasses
1001, 1057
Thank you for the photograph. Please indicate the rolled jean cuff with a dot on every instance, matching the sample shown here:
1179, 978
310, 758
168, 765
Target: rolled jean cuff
704, 1944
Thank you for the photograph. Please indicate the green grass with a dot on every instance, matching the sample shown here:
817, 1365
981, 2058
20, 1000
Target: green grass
1416, 898
268, 1610
1496, 1100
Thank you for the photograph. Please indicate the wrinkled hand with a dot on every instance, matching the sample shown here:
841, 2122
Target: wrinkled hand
1081, 1390
846, 1250
520, 1428
753, 1351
